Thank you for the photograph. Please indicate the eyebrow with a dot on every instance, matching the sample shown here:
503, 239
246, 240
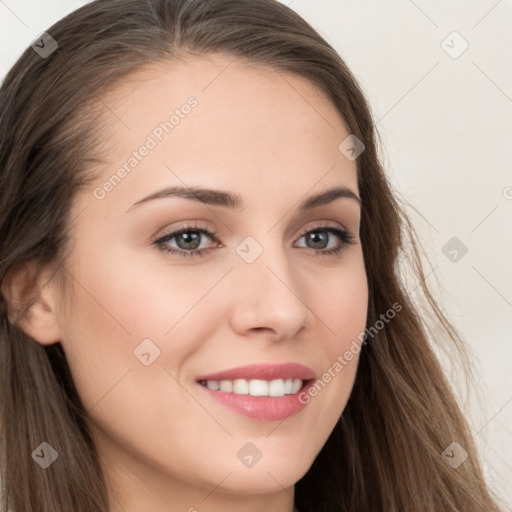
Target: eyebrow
234, 201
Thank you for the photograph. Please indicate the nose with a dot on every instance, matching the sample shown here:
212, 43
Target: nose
267, 297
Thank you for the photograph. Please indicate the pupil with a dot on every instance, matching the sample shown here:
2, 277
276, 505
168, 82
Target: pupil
190, 238
315, 238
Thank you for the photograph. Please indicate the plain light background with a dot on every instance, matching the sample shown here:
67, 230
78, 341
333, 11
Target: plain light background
445, 119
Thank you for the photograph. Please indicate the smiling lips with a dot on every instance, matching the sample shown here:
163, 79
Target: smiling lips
260, 391
263, 372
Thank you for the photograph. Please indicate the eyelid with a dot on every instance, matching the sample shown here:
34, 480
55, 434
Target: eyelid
345, 235
187, 226
323, 224
195, 225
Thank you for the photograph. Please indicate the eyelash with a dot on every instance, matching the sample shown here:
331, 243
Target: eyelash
346, 237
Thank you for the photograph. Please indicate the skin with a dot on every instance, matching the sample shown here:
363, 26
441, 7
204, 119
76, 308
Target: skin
273, 139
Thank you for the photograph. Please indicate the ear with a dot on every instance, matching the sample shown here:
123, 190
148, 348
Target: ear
40, 320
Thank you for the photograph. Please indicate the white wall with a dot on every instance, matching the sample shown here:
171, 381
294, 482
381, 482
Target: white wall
445, 125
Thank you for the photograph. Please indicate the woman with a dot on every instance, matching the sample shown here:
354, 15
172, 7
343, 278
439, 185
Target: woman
202, 304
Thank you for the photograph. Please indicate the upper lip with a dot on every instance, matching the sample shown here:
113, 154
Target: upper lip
264, 372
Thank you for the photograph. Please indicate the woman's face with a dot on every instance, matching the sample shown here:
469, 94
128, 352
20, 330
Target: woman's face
146, 323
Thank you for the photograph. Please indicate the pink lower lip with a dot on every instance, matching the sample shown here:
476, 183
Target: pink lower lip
269, 408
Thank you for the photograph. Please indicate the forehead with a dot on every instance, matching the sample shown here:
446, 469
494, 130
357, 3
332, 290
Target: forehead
222, 122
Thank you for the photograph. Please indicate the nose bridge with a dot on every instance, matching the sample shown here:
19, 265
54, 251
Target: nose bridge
262, 256
266, 292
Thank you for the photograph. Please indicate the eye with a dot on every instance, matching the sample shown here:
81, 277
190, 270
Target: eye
188, 240
320, 236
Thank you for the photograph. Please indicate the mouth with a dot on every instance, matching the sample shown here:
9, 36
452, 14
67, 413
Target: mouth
267, 392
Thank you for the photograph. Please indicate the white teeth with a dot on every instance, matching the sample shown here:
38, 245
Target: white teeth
240, 387
226, 385
276, 387
213, 384
297, 384
256, 387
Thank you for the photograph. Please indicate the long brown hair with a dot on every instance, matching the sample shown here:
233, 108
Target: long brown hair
385, 452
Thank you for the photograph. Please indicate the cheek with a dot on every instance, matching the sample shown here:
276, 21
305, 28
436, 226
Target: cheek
342, 314
137, 296
124, 311
118, 325
343, 308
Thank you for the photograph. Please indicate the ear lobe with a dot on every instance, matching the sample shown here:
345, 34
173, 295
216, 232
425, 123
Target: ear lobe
39, 321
